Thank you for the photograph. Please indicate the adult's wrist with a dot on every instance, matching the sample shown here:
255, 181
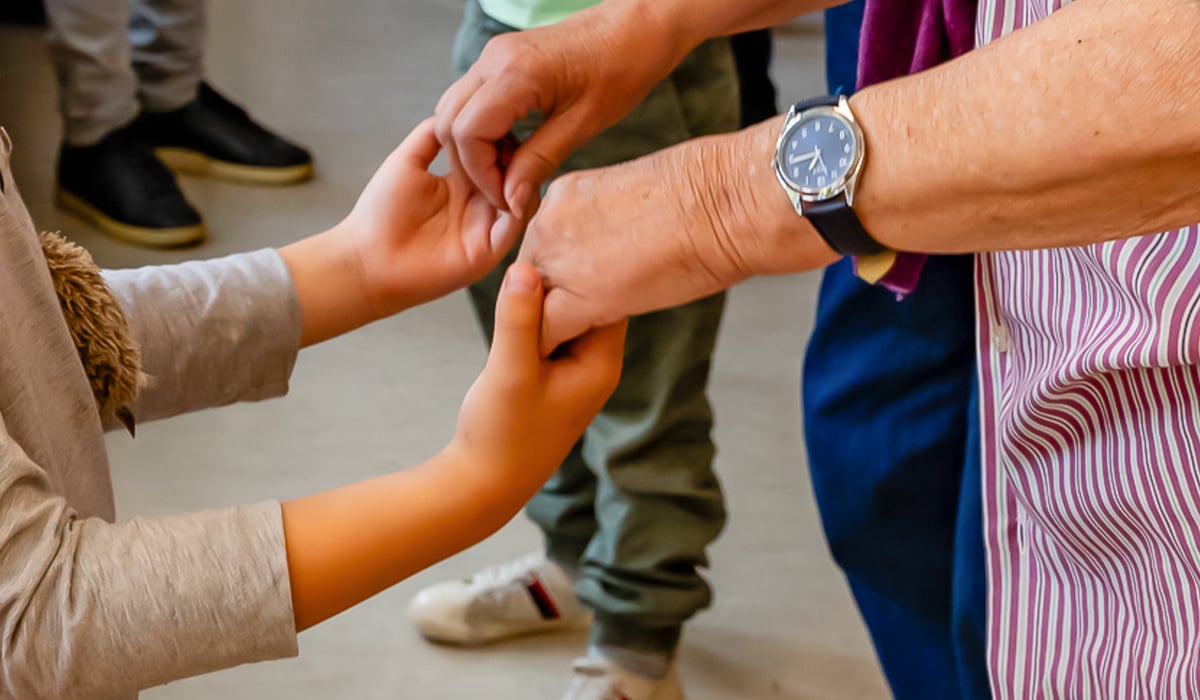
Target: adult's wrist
758, 219
665, 31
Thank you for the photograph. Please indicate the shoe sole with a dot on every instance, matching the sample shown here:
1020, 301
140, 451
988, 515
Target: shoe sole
175, 237
189, 162
452, 635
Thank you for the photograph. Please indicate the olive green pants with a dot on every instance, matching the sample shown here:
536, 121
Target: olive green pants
636, 503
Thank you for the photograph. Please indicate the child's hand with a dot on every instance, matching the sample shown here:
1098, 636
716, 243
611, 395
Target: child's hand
525, 412
419, 236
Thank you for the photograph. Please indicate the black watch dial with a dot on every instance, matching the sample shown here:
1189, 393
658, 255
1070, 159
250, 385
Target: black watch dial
818, 153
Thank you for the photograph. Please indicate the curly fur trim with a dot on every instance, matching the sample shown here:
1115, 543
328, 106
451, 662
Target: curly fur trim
110, 356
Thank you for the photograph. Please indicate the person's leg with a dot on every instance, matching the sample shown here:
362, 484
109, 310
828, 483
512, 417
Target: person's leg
106, 175
564, 508
892, 434
167, 40
969, 611
887, 389
657, 503
90, 51
193, 127
531, 594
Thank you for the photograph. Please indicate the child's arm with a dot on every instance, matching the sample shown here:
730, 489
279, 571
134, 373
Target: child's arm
219, 331
126, 606
517, 424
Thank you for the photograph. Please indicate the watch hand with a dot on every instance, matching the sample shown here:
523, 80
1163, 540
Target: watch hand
819, 162
792, 160
817, 159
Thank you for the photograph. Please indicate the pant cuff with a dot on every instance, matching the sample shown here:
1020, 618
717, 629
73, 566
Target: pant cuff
89, 131
169, 94
616, 631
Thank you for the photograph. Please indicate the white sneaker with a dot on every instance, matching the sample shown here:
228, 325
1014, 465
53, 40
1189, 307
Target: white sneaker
597, 679
528, 596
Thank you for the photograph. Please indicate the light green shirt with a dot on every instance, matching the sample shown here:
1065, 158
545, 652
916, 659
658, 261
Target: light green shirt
528, 14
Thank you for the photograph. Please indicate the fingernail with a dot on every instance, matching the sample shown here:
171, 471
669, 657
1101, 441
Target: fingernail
504, 232
520, 200
521, 278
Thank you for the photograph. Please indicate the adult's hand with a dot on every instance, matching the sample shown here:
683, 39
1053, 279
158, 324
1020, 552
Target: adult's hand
582, 75
656, 232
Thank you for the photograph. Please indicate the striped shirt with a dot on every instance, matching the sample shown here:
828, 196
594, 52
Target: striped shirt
1091, 410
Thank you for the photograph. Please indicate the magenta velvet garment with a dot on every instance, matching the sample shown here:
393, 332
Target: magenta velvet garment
900, 37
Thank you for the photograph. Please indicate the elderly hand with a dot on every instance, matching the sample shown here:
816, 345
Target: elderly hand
582, 74
663, 230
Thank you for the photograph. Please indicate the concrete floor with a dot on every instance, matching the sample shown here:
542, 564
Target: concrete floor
349, 80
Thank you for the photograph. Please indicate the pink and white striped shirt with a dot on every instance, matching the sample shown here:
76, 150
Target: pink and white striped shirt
1091, 415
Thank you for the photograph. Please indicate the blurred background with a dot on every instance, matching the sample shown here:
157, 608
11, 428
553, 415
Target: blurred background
348, 80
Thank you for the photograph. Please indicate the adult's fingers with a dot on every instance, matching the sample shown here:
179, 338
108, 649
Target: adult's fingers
563, 319
484, 121
505, 233
448, 107
538, 158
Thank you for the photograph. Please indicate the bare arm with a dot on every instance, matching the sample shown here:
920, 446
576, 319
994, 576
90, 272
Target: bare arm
1075, 130
1079, 129
132, 605
517, 424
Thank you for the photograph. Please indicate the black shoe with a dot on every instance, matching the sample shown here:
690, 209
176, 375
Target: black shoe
212, 136
121, 187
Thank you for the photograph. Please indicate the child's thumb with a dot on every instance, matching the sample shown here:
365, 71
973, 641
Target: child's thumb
518, 319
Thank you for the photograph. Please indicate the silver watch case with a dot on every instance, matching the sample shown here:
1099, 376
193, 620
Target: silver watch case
847, 183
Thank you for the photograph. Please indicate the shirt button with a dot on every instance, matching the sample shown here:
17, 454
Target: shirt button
1000, 338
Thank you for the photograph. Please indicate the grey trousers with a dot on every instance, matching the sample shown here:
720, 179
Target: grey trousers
115, 58
636, 503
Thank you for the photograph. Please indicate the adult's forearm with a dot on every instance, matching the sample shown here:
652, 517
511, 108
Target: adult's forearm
1078, 129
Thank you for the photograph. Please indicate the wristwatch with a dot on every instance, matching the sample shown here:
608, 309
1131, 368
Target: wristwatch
818, 158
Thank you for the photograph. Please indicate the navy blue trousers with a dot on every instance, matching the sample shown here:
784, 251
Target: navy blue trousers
891, 421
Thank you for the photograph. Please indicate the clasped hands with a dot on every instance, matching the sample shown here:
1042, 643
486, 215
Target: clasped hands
614, 242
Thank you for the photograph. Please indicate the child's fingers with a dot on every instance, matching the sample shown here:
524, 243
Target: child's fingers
421, 147
518, 321
478, 221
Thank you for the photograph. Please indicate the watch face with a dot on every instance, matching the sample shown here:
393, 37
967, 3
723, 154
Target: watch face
818, 152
